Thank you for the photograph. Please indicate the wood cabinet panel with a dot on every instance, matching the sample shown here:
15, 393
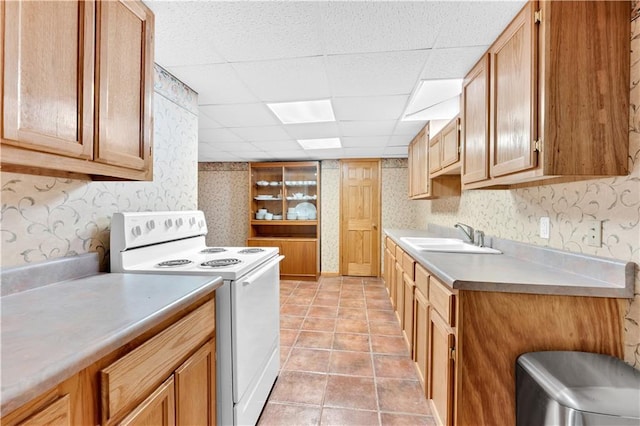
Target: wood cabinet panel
399, 293
422, 280
131, 377
475, 123
125, 83
195, 383
513, 96
450, 143
157, 410
407, 313
442, 299
49, 108
435, 146
441, 369
421, 337
58, 413
409, 265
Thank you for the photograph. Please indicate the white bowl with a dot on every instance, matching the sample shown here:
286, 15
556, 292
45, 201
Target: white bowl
292, 216
302, 217
259, 216
268, 216
262, 210
277, 217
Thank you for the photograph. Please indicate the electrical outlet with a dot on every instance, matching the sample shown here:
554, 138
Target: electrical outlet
544, 227
594, 233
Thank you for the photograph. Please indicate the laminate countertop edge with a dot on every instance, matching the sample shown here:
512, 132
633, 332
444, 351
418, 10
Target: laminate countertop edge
509, 274
51, 333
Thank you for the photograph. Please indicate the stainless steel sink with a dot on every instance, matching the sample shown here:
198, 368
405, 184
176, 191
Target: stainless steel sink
450, 245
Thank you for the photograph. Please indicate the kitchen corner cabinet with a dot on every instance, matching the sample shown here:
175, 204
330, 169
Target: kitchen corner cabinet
465, 343
528, 115
167, 376
77, 89
421, 186
290, 194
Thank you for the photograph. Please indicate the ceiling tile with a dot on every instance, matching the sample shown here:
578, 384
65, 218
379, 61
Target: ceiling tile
240, 115
351, 27
235, 147
396, 151
281, 145
451, 62
286, 80
367, 128
217, 84
410, 128
217, 135
216, 156
370, 108
263, 133
365, 142
376, 152
476, 23
206, 122
400, 140
326, 154
182, 34
313, 130
290, 155
250, 31
255, 156
370, 74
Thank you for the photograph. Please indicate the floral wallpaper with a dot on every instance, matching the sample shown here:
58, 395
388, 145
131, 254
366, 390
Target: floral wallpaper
515, 214
46, 217
223, 196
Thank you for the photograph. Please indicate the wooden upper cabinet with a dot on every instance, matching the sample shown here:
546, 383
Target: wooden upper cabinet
435, 146
77, 88
558, 97
513, 97
450, 143
475, 123
125, 82
49, 108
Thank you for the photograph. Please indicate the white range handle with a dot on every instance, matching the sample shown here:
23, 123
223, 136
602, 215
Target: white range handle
261, 270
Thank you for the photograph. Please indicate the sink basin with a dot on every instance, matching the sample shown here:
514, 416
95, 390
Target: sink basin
450, 245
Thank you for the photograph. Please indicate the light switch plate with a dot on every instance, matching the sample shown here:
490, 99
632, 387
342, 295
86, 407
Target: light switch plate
594, 233
544, 227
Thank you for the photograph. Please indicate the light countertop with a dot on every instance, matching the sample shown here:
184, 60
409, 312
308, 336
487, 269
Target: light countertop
523, 268
52, 332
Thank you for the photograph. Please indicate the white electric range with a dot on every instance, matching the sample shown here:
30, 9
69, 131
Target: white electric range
247, 304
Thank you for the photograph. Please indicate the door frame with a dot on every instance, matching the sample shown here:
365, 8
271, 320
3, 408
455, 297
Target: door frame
342, 266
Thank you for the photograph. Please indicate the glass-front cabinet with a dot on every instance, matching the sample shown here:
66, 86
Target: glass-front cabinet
285, 213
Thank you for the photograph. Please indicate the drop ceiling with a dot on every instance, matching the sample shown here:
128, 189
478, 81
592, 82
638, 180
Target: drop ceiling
368, 58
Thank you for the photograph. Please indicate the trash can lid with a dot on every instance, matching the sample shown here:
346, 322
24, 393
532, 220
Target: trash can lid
586, 381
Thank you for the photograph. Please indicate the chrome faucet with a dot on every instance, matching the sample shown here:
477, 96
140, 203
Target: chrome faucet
479, 238
466, 230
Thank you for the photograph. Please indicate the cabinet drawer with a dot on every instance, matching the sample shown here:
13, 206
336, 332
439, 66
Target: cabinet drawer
399, 254
443, 300
130, 379
422, 280
390, 245
408, 264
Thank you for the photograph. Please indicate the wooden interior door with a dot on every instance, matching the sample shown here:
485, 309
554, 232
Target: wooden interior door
360, 218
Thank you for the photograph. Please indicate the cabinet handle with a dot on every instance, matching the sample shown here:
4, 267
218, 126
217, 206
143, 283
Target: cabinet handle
374, 226
452, 353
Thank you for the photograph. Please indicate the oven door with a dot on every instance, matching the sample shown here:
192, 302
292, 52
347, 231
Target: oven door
255, 334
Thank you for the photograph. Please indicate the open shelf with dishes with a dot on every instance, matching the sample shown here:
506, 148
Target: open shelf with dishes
284, 200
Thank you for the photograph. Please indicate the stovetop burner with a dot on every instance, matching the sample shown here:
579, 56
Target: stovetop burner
251, 250
219, 263
213, 250
174, 262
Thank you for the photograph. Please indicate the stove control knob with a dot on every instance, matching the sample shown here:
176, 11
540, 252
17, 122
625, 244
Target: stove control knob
179, 222
136, 231
192, 221
201, 223
168, 223
151, 225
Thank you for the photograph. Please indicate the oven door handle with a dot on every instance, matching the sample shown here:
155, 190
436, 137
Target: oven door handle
261, 269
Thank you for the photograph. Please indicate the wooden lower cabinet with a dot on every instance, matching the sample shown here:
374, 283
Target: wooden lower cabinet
158, 409
441, 368
407, 322
421, 337
166, 376
300, 256
399, 294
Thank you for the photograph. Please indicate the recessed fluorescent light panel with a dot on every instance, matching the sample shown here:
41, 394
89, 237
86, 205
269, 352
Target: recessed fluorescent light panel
435, 100
303, 112
326, 143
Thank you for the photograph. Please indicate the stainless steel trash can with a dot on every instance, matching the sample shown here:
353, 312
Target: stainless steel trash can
576, 388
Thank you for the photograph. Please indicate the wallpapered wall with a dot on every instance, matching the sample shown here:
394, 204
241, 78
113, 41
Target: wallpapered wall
45, 217
515, 214
224, 184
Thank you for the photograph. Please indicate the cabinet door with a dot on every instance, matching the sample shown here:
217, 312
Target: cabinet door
399, 292
435, 145
300, 257
388, 267
407, 329
420, 337
392, 281
475, 123
441, 346
513, 95
55, 414
157, 410
48, 76
196, 388
450, 143
124, 85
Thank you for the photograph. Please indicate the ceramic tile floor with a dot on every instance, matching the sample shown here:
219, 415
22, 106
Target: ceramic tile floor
343, 358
